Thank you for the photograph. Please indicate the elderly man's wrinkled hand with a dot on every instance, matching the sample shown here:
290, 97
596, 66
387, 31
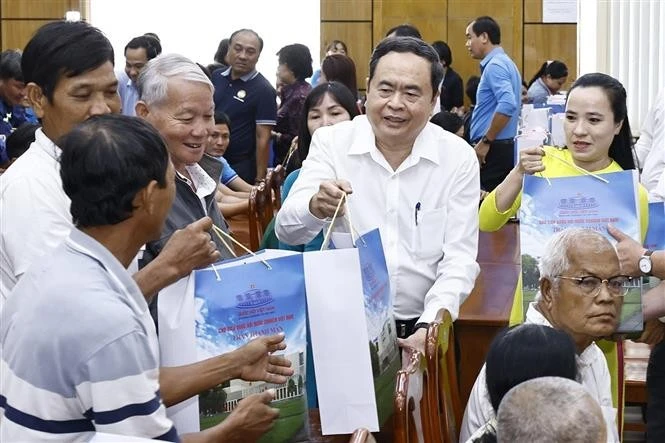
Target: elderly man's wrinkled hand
324, 203
256, 362
628, 250
190, 248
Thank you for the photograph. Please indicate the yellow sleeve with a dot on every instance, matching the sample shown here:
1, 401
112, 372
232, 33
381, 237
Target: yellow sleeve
644, 211
490, 218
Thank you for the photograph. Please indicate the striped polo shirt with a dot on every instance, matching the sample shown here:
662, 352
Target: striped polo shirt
79, 351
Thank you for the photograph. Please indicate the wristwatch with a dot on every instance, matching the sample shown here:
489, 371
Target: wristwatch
645, 263
486, 140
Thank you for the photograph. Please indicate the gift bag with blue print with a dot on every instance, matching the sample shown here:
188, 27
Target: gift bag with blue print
550, 205
237, 302
352, 332
219, 309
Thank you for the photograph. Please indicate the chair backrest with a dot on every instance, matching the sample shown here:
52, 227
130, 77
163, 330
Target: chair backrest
265, 195
278, 175
258, 200
443, 390
410, 390
362, 435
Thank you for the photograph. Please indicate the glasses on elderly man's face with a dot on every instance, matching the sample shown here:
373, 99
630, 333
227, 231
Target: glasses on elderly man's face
590, 284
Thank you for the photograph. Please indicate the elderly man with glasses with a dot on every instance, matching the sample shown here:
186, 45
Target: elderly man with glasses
581, 292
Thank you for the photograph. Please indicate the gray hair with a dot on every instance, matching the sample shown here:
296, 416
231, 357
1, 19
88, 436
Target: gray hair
153, 81
554, 260
549, 410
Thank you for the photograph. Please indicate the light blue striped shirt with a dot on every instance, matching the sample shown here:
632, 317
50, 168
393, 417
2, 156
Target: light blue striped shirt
129, 95
79, 351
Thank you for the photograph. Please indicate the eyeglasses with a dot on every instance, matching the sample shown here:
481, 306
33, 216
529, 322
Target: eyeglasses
590, 284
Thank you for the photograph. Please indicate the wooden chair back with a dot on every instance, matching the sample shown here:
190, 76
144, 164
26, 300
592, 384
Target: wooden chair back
412, 409
362, 435
276, 182
258, 201
443, 390
265, 194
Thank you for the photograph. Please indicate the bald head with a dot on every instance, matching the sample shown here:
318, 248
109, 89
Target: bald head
550, 410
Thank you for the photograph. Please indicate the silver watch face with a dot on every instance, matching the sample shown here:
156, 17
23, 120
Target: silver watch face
645, 265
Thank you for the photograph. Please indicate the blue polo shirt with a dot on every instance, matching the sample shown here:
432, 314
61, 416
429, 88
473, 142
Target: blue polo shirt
249, 100
11, 117
499, 91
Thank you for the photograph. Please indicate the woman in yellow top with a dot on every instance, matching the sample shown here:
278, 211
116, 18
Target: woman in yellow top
598, 141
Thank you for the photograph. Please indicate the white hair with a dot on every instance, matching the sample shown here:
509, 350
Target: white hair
549, 410
554, 260
153, 81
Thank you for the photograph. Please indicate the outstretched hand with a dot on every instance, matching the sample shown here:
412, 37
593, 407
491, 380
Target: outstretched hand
255, 361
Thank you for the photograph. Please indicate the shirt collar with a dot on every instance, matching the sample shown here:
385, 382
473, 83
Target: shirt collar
496, 51
47, 145
245, 78
204, 184
424, 147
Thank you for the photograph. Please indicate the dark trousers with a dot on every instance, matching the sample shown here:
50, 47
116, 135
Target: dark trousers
498, 163
656, 389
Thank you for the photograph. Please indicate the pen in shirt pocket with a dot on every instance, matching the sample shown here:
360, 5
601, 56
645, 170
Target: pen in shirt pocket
417, 209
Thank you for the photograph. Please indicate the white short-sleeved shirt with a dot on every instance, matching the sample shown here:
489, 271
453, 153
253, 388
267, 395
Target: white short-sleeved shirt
34, 211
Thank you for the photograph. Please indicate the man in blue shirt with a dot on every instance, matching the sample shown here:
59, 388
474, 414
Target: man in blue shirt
137, 53
249, 100
495, 117
12, 94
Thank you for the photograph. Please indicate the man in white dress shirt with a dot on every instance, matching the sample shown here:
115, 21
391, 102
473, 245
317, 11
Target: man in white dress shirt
650, 147
417, 183
581, 292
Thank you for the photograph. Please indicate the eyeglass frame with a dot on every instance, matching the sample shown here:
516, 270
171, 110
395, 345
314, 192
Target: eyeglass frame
594, 293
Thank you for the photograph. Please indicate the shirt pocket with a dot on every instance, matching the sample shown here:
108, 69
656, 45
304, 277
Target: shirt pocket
427, 237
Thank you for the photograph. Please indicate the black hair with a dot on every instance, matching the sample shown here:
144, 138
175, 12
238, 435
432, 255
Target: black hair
414, 46
151, 45
472, 88
404, 30
222, 119
20, 140
298, 59
333, 44
341, 94
205, 70
222, 50
621, 149
553, 68
340, 68
445, 54
486, 24
449, 121
105, 162
10, 65
64, 48
251, 31
153, 35
525, 352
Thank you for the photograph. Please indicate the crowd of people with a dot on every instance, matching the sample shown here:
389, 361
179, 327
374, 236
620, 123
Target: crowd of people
114, 180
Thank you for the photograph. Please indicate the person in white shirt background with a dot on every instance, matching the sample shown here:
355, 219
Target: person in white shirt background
417, 183
650, 147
